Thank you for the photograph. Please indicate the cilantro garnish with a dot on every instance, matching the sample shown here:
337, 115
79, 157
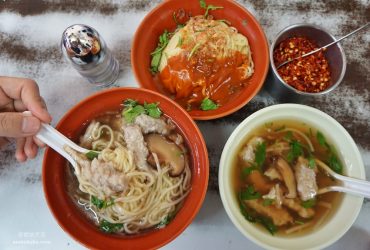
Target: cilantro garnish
204, 5
133, 109
208, 104
108, 227
309, 203
157, 53
101, 203
249, 193
91, 155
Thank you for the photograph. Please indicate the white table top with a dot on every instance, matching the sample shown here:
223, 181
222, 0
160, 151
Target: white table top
32, 50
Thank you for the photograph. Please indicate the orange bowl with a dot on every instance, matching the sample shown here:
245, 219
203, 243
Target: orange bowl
161, 18
71, 218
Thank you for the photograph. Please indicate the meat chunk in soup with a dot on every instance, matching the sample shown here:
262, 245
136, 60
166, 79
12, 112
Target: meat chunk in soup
306, 179
247, 154
149, 124
102, 175
136, 144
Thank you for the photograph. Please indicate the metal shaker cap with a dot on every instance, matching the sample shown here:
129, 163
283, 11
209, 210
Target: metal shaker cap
83, 45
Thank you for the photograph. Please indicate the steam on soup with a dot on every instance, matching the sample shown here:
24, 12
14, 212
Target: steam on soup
137, 173
277, 178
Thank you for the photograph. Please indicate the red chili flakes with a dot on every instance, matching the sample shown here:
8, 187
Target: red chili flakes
308, 74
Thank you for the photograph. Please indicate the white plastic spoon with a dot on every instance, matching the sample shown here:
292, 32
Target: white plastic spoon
57, 141
349, 185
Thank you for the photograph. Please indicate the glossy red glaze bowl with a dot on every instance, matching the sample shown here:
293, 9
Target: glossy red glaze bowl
161, 18
70, 217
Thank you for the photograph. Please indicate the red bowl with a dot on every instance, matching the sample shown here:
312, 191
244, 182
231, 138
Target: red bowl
161, 18
70, 217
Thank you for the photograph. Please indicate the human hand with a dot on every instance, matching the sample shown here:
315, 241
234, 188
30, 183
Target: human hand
18, 95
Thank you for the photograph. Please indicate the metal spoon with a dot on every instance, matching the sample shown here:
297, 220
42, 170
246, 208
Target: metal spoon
324, 47
349, 185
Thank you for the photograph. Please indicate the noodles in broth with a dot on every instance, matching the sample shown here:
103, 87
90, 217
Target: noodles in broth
130, 187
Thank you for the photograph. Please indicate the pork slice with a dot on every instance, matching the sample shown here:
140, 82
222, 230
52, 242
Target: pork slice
149, 124
135, 143
105, 176
247, 153
306, 179
279, 216
102, 175
295, 205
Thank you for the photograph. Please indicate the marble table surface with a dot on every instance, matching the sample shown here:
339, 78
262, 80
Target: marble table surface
30, 32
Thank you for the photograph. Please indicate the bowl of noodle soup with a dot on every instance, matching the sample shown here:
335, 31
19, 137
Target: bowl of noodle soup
288, 144
211, 57
111, 200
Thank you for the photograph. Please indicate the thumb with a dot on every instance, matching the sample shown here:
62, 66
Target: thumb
18, 125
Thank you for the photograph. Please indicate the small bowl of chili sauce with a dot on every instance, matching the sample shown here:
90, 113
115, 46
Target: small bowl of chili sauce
312, 75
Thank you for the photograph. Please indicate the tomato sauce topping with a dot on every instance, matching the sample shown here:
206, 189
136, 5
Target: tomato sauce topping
309, 74
191, 80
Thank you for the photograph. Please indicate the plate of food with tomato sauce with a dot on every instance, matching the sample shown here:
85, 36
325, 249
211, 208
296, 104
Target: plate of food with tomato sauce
210, 57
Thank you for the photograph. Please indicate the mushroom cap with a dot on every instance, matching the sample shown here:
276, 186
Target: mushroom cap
167, 152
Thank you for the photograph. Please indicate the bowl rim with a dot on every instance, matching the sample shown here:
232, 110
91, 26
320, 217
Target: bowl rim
203, 149
343, 55
135, 46
355, 201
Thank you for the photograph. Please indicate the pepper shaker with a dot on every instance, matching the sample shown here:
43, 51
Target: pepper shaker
89, 55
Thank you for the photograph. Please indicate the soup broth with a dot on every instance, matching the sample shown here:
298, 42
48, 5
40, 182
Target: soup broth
276, 178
